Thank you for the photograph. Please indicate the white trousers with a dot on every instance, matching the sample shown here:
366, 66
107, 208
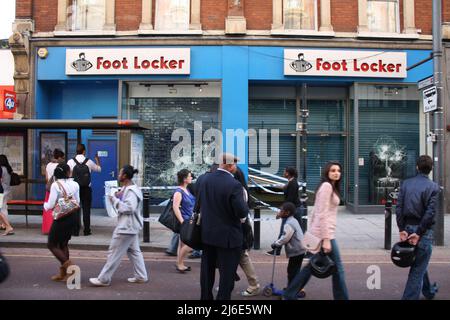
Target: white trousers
121, 244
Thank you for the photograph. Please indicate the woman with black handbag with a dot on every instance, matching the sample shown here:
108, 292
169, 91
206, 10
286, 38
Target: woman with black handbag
61, 230
183, 207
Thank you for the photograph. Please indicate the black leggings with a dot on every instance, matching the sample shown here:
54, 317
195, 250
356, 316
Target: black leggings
60, 251
294, 265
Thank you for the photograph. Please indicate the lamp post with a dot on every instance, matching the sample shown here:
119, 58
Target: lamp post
437, 121
302, 105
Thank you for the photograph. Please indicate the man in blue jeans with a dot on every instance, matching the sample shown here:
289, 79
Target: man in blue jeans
416, 209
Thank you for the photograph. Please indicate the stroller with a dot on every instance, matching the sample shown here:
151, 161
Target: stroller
270, 289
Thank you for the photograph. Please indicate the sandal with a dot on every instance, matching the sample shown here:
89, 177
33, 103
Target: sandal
183, 270
8, 233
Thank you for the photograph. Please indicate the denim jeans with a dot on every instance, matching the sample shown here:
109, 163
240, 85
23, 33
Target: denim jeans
418, 280
301, 279
173, 247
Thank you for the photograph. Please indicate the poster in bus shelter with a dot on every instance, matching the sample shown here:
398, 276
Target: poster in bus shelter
49, 141
12, 146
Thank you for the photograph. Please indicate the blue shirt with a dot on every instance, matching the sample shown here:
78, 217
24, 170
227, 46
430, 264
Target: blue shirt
187, 204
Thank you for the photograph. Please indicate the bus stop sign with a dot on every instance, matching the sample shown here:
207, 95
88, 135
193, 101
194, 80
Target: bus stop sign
430, 99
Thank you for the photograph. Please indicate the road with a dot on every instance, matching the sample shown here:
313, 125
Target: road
31, 270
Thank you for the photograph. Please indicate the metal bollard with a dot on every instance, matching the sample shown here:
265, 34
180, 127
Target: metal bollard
388, 224
146, 214
257, 229
304, 217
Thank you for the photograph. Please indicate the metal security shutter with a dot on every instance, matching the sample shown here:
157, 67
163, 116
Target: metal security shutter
322, 149
272, 114
326, 123
275, 114
397, 119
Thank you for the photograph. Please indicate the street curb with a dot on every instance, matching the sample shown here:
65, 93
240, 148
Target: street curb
75, 246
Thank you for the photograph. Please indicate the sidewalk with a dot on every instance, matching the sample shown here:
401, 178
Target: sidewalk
354, 232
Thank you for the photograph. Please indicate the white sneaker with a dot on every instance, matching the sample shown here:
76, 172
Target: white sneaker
251, 292
96, 282
136, 280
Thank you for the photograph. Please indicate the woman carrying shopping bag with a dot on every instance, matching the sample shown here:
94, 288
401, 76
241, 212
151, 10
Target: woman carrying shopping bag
125, 240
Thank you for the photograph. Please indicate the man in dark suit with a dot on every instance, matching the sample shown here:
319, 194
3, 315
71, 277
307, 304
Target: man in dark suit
222, 208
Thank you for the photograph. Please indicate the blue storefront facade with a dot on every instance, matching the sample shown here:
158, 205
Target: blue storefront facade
373, 125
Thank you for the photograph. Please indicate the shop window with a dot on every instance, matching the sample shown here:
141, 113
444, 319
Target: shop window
300, 14
383, 16
86, 15
172, 15
169, 107
389, 139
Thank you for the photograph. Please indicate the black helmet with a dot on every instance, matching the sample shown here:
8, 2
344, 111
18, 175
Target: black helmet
322, 266
403, 254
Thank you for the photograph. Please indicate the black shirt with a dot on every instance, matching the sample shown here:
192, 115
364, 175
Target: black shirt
291, 192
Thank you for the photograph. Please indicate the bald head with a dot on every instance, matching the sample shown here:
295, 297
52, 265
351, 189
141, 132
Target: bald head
228, 162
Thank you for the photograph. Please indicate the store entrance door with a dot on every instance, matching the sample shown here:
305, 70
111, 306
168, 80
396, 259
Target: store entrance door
107, 152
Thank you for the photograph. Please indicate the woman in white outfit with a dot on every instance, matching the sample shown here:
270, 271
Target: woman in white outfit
61, 230
5, 178
128, 202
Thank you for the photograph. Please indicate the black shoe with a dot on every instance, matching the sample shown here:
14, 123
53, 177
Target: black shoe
171, 254
435, 289
271, 252
87, 233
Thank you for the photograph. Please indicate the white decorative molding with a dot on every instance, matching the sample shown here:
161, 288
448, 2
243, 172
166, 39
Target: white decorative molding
390, 35
84, 33
170, 32
409, 20
146, 20
235, 25
311, 33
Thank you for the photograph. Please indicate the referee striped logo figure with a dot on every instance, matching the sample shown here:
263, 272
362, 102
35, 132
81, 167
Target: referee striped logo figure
300, 65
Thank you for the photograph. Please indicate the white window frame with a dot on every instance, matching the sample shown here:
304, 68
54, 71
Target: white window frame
397, 22
409, 30
325, 29
316, 20
147, 26
109, 26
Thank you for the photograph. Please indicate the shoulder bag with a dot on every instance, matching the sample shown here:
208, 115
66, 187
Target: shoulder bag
310, 241
168, 217
65, 205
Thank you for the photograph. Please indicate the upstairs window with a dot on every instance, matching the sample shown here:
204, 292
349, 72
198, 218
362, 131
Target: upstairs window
383, 16
300, 14
86, 15
172, 15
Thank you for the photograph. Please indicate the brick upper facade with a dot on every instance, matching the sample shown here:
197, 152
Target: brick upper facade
213, 13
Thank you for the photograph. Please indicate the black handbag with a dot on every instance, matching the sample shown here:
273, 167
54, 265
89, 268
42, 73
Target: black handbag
169, 219
191, 233
15, 179
4, 269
